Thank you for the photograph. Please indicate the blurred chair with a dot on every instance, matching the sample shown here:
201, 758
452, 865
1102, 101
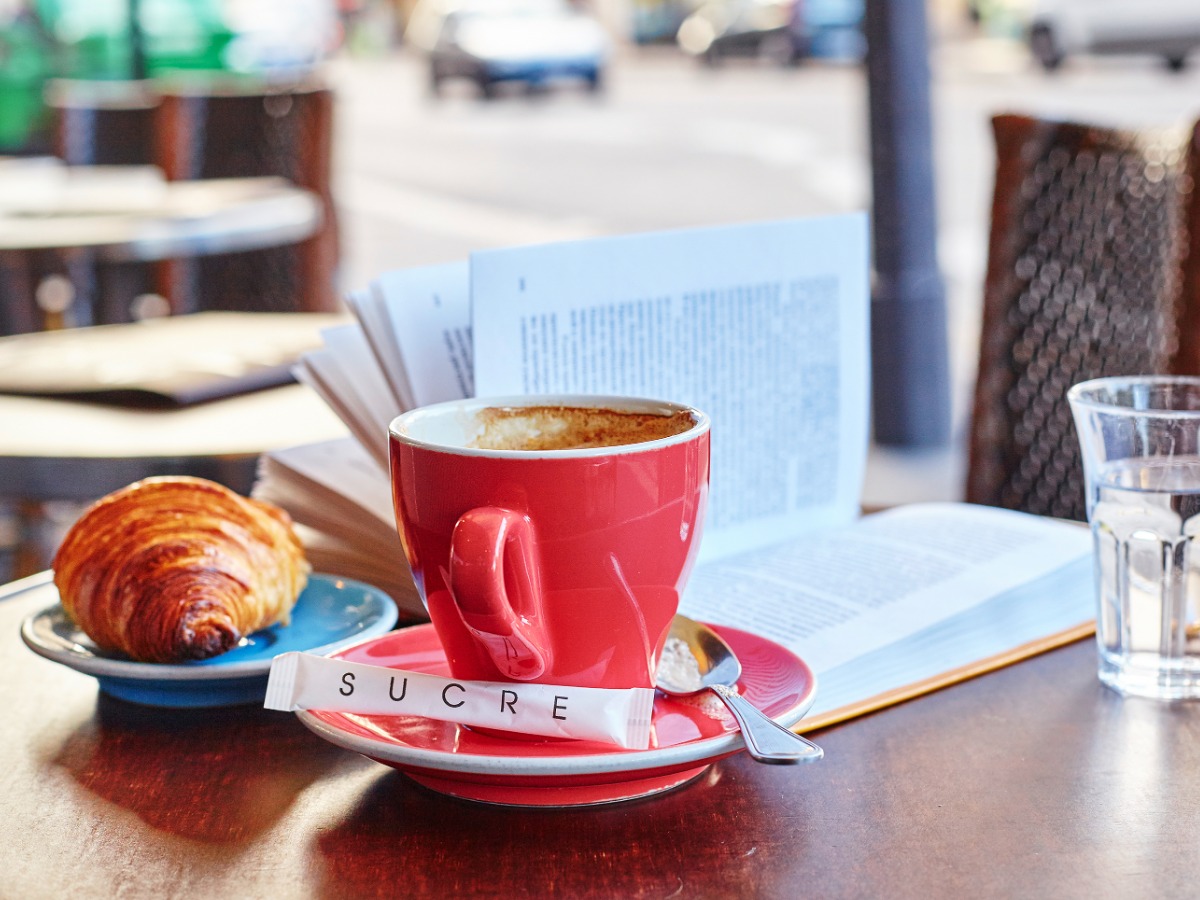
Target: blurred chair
229, 131
103, 123
17, 315
1093, 270
93, 123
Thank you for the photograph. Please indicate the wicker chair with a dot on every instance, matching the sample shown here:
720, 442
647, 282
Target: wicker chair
232, 133
1093, 270
207, 130
94, 123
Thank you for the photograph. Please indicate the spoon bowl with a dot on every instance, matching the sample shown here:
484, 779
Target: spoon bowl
695, 659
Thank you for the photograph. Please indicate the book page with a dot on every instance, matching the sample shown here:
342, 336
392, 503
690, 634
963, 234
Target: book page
341, 503
429, 312
1030, 612
762, 326
837, 597
343, 471
370, 309
345, 375
349, 345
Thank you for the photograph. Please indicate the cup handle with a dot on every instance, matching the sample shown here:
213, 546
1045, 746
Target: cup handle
495, 585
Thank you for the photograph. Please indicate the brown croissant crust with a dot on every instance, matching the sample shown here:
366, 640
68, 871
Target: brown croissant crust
173, 569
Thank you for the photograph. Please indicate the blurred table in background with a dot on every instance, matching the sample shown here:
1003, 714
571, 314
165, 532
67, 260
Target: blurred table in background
100, 226
208, 126
130, 213
148, 414
74, 452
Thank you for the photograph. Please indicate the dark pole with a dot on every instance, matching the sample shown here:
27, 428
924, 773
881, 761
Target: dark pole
910, 369
137, 42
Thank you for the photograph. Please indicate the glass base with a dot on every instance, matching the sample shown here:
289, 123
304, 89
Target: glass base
1147, 675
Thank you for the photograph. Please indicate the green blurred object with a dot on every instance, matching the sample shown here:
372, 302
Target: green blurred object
98, 42
92, 40
118, 40
26, 61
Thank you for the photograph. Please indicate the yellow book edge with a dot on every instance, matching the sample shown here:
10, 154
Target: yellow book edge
945, 679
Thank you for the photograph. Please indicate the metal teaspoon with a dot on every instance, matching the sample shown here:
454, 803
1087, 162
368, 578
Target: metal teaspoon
717, 669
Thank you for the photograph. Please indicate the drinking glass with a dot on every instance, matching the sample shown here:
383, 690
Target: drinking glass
1140, 440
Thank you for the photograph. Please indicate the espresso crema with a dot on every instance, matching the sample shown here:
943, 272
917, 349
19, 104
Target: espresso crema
572, 427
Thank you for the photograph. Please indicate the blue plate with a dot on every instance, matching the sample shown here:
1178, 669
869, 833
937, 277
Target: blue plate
331, 613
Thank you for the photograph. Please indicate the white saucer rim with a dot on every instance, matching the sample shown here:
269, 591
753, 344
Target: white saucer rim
700, 751
128, 670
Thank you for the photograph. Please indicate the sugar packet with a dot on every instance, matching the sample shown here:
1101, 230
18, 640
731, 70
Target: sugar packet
615, 716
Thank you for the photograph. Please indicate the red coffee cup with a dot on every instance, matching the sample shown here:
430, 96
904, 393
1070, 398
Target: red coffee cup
548, 565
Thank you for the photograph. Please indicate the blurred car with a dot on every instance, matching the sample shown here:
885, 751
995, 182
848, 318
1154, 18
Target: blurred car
774, 30
835, 29
1166, 28
493, 42
657, 21
781, 31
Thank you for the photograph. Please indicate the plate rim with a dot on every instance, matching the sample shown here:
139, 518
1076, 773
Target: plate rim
143, 672
698, 752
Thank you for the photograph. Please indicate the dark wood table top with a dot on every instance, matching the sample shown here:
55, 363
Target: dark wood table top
1031, 781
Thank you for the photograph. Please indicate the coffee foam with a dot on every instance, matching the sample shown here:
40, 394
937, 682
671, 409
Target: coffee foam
571, 427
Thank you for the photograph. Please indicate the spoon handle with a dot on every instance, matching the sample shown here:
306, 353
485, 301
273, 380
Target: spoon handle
766, 740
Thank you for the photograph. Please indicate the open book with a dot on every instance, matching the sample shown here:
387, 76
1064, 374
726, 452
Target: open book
763, 326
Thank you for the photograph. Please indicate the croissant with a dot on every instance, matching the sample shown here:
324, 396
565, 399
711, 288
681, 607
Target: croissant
173, 569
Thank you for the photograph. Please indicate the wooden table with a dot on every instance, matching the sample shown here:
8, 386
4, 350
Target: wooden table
1033, 781
103, 227
130, 213
60, 450
75, 450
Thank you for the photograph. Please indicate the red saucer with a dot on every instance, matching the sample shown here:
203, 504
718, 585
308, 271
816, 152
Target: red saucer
688, 734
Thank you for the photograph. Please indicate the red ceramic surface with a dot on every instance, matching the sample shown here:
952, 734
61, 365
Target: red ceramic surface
688, 733
559, 567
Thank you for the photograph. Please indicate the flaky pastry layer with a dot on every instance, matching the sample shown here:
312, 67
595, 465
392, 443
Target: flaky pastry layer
175, 568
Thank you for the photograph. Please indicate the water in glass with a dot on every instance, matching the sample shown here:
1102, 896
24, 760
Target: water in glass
1145, 520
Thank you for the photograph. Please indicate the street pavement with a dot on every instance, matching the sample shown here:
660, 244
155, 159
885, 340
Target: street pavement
671, 144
